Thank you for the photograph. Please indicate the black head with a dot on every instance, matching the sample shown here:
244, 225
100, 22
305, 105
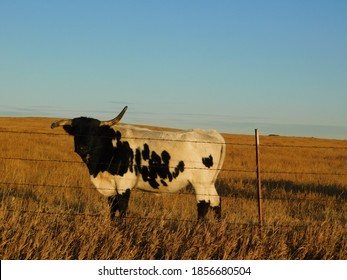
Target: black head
86, 132
89, 134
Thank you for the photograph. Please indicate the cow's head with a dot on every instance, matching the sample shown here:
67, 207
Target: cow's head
89, 134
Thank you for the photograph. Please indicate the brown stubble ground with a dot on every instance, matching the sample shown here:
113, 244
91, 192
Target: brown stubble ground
50, 210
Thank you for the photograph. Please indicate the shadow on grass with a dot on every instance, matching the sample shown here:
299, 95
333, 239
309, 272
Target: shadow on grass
330, 190
277, 188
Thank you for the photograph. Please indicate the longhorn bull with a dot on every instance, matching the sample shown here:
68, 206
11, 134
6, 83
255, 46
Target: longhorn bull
123, 157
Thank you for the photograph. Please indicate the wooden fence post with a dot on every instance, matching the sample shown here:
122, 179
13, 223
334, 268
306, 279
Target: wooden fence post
260, 200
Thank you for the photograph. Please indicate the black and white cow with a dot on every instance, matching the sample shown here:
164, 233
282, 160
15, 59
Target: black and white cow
123, 157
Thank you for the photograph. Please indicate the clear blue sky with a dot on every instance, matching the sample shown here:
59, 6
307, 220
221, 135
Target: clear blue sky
280, 66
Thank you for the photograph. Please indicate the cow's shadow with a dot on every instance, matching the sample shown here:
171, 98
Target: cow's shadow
274, 188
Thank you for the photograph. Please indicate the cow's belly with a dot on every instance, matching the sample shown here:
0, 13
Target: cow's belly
110, 185
170, 187
105, 183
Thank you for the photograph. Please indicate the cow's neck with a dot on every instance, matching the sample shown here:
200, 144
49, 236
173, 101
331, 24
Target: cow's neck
98, 161
117, 160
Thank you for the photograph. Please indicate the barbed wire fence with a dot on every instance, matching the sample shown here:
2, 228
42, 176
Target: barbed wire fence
256, 171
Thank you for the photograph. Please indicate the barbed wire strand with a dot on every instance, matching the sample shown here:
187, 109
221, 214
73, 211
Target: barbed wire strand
189, 168
121, 165
251, 224
131, 138
133, 190
188, 141
342, 196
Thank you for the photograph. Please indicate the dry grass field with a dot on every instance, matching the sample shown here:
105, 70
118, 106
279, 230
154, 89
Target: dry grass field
50, 210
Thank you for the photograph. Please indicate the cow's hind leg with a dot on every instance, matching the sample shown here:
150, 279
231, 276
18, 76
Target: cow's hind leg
207, 197
203, 207
119, 203
217, 210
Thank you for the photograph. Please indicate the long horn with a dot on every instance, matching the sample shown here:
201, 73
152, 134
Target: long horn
61, 123
116, 119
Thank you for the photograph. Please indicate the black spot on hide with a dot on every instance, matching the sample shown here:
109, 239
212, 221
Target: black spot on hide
208, 161
145, 152
155, 169
179, 168
123, 157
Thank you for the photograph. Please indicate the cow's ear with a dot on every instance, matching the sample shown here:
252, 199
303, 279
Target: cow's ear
68, 128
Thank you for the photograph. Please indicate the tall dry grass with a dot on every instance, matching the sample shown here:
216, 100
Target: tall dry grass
50, 210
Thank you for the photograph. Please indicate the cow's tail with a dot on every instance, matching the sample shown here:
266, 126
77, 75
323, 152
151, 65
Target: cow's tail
221, 159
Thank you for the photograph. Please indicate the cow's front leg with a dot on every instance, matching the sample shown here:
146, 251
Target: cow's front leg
203, 207
113, 206
119, 203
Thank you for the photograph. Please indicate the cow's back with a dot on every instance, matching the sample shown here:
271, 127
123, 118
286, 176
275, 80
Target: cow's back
170, 160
